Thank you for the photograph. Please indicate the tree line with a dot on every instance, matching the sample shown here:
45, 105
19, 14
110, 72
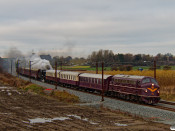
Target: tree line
110, 59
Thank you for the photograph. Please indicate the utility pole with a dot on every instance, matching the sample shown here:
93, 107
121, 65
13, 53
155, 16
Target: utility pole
55, 74
11, 66
17, 68
61, 65
96, 67
102, 99
30, 71
154, 68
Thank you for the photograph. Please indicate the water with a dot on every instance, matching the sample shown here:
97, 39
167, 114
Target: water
119, 124
44, 120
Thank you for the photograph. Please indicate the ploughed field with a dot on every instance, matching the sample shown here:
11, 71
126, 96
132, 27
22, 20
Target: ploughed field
26, 110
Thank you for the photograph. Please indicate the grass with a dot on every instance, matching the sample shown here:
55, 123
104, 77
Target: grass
34, 88
9, 80
65, 96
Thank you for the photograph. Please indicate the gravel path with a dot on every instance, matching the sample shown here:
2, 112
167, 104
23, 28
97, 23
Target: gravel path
160, 115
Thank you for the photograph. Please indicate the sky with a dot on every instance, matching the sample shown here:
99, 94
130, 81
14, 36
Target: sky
78, 27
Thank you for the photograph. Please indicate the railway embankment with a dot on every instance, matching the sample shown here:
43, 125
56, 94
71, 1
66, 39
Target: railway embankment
147, 112
27, 109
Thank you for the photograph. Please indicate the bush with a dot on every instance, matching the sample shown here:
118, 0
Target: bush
122, 68
167, 67
125, 67
128, 67
114, 68
152, 67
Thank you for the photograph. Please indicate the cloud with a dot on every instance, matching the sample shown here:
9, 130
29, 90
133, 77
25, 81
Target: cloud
127, 26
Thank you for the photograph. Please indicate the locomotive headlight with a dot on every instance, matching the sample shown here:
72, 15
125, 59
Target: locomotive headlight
145, 90
158, 91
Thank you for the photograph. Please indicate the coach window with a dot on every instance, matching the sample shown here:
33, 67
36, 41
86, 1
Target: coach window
100, 81
96, 81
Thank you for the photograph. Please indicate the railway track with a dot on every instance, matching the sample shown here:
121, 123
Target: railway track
164, 105
167, 102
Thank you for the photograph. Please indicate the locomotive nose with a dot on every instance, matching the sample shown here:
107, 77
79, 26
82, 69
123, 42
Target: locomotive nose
153, 89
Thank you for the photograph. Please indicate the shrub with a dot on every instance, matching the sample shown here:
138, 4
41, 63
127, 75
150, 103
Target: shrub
121, 68
167, 67
114, 68
128, 67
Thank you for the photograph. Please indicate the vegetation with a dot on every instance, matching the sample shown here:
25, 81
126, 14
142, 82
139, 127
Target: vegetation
34, 88
63, 96
110, 59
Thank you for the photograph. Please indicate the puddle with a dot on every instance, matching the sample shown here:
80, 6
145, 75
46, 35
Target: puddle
78, 117
17, 92
44, 120
119, 124
9, 93
60, 118
3, 87
5, 113
93, 123
84, 119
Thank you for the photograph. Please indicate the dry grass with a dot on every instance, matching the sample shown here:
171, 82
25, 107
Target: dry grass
9, 80
65, 96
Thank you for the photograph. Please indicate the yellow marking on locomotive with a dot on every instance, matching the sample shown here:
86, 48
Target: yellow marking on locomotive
152, 89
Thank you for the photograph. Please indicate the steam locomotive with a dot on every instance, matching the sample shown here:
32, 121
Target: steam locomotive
129, 87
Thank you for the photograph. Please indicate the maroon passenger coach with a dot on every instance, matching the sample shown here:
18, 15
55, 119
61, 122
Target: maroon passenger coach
94, 81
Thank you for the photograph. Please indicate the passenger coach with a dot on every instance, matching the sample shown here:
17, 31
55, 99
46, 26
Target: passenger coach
94, 81
69, 78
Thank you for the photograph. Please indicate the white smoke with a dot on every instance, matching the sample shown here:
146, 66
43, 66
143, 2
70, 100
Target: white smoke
36, 62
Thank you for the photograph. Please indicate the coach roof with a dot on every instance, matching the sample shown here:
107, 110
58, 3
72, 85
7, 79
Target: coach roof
99, 76
70, 73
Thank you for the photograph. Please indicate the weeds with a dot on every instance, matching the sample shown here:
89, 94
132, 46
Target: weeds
9, 80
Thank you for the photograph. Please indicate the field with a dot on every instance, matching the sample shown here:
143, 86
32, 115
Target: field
107, 68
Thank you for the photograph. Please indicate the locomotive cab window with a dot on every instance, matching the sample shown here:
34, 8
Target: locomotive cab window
145, 80
154, 81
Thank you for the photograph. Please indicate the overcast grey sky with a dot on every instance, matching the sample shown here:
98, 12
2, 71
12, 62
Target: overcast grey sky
78, 27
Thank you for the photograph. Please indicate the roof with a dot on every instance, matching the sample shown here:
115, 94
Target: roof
99, 76
70, 73
129, 76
